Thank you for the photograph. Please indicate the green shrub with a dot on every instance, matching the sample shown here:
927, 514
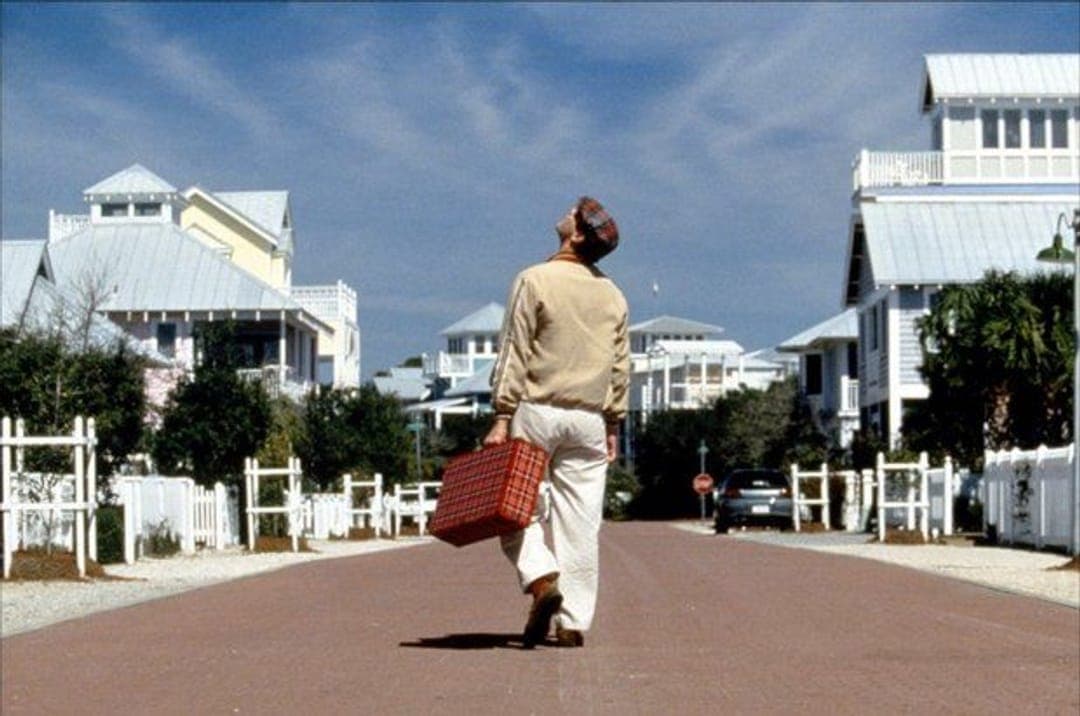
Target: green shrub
621, 489
110, 534
162, 541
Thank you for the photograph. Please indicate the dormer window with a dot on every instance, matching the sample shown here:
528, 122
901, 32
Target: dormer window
148, 209
109, 210
1037, 131
1059, 129
990, 128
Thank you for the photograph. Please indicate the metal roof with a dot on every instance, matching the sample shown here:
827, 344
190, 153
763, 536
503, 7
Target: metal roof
1000, 75
159, 267
136, 179
696, 348
20, 262
956, 242
485, 320
266, 209
843, 326
479, 383
673, 325
405, 387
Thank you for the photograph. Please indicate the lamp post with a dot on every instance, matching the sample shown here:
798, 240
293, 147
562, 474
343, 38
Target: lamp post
1058, 254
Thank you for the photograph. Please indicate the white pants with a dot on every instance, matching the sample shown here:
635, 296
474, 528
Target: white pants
576, 441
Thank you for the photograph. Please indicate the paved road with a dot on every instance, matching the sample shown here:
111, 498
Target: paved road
687, 624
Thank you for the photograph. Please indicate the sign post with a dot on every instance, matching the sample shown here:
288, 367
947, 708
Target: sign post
703, 483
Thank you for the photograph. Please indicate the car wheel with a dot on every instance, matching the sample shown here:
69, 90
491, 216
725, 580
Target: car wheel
721, 528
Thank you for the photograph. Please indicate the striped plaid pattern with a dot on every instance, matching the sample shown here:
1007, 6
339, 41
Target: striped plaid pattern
604, 230
489, 493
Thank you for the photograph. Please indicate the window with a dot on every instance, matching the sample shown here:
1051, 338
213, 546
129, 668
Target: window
936, 136
166, 339
148, 209
1012, 128
114, 209
813, 374
852, 361
1059, 125
1037, 129
990, 129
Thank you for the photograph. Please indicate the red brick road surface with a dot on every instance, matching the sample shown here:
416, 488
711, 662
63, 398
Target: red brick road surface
687, 624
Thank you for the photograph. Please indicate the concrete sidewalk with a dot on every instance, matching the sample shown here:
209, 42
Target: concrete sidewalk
1019, 571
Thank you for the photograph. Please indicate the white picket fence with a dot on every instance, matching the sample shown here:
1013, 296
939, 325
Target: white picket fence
1026, 496
176, 506
415, 501
39, 508
799, 500
292, 476
368, 509
324, 515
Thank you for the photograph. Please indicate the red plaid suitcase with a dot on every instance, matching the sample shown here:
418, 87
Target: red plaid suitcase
488, 493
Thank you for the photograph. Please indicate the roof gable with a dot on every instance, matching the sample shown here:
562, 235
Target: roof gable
21, 262
999, 75
676, 326
266, 209
136, 179
842, 327
484, 320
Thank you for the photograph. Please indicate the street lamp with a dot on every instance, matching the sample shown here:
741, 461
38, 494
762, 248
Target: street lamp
1057, 253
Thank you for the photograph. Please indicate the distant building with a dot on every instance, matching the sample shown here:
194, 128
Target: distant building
1004, 162
829, 373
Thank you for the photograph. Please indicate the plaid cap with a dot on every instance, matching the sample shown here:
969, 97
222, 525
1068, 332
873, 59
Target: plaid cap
601, 232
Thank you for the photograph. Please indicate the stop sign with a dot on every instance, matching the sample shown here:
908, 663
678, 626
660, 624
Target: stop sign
703, 483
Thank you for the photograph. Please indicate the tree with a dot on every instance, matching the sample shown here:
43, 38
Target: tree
353, 431
48, 384
997, 357
212, 422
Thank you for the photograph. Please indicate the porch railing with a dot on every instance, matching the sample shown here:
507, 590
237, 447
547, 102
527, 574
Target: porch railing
884, 169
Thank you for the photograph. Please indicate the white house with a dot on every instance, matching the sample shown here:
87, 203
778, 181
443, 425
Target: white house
829, 373
680, 364
1004, 163
159, 282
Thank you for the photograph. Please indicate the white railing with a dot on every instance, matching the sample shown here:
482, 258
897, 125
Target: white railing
799, 499
903, 486
49, 498
270, 376
1026, 496
416, 501
64, 225
366, 509
291, 476
884, 169
457, 365
333, 302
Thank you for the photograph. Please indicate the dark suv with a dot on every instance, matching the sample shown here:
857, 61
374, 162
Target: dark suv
758, 496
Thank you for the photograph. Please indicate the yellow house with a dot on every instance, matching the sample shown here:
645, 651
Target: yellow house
252, 228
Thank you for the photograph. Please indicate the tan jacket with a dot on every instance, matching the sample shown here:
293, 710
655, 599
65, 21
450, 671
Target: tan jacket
564, 342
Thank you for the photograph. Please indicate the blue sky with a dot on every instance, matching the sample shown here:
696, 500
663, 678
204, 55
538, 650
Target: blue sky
429, 149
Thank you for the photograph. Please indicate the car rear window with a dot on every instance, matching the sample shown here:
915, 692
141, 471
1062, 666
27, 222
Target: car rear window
757, 480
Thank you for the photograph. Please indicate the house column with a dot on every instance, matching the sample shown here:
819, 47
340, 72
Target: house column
667, 380
704, 379
282, 349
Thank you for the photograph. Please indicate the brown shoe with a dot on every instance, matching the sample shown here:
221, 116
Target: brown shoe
546, 601
569, 637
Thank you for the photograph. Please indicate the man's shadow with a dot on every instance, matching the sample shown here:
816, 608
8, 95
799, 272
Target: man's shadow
467, 641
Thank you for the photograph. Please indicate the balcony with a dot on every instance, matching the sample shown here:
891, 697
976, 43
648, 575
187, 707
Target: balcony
887, 169
270, 377
327, 303
456, 365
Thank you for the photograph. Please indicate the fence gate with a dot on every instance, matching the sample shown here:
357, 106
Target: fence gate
912, 480
18, 499
373, 514
291, 507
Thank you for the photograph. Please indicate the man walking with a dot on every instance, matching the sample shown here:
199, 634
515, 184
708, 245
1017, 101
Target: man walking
560, 382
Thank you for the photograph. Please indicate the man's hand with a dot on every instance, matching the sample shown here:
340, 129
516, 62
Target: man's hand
612, 442
499, 433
